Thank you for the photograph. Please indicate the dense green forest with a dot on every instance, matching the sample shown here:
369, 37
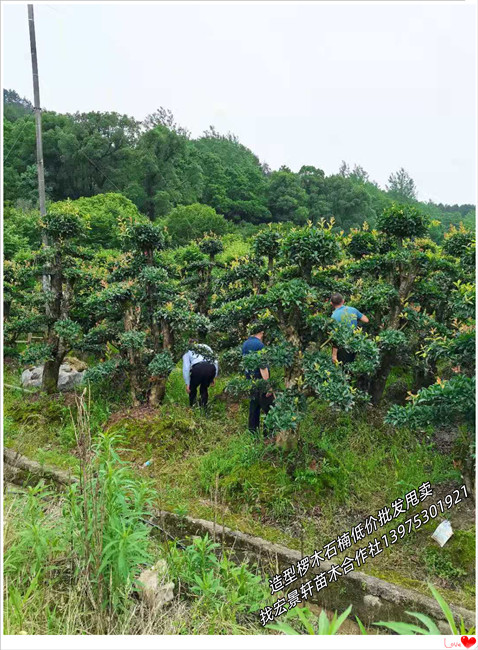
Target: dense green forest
158, 166
152, 238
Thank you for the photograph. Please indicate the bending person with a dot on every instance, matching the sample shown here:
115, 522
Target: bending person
200, 369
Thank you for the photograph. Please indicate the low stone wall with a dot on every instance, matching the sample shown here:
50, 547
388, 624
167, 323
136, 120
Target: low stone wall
372, 599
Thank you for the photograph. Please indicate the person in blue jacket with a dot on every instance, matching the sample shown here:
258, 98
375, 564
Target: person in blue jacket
350, 316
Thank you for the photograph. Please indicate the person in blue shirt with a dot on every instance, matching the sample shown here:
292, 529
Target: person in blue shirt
350, 316
260, 401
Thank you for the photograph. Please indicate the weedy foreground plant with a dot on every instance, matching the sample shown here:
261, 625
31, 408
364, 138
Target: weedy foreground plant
72, 561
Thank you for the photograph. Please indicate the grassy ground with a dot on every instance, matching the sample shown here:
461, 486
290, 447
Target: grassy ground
347, 467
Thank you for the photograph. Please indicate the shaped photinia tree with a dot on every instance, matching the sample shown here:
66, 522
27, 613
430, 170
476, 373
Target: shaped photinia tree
410, 289
50, 280
143, 312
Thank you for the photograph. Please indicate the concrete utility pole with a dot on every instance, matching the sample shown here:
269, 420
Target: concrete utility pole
46, 282
37, 109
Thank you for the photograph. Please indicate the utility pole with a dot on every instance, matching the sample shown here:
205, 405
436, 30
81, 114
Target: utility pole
37, 109
41, 172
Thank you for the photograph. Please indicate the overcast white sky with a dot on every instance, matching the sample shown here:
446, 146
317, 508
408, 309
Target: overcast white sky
382, 85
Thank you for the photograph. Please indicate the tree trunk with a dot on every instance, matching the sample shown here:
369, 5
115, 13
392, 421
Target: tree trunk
158, 391
378, 382
133, 372
55, 308
292, 374
149, 292
307, 272
158, 388
404, 287
270, 268
468, 473
422, 378
168, 337
51, 370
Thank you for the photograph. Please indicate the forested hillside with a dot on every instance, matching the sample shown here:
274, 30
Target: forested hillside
158, 166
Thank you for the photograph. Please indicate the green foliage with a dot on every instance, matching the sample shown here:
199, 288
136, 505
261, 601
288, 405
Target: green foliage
348, 202
403, 221
363, 243
109, 537
218, 584
233, 181
260, 488
108, 161
133, 310
455, 561
267, 242
133, 340
109, 216
146, 237
287, 200
328, 381
458, 242
28, 555
440, 566
431, 627
310, 246
100, 533
103, 371
68, 330
36, 353
243, 476
210, 245
446, 402
21, 231
287, 413
309, 622
188, 222
402, 186
161, 365
63, 221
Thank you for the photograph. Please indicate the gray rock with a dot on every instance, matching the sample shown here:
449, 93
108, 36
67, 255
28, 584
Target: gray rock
443, 627
68, 377
154, 588
373, 602
31, 377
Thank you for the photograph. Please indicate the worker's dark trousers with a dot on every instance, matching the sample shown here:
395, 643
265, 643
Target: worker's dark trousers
259, 402
344, 356
202, 375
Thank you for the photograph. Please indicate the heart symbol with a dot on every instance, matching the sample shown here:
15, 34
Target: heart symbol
468, 641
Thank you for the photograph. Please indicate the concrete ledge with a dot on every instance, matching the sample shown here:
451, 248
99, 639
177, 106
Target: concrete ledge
21, 470
372, 599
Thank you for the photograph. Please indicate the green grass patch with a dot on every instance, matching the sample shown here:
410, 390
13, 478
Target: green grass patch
345, 467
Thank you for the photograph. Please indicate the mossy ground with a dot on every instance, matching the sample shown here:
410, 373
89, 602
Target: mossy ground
346, 467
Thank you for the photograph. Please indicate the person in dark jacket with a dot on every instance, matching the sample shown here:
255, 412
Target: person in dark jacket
260, 400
